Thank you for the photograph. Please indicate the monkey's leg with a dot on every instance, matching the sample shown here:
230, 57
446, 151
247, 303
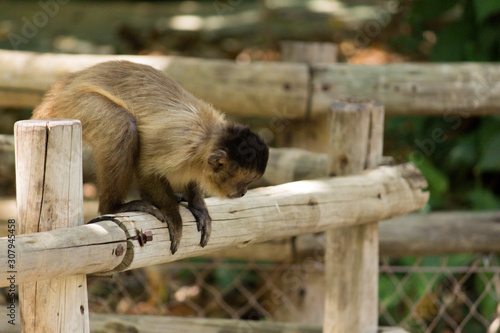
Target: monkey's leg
114, 140
197, 207
158, 191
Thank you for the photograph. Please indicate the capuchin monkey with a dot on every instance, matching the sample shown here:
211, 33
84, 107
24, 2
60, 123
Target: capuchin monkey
140, 122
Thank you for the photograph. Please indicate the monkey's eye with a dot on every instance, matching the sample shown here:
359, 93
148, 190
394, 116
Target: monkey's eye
245, 184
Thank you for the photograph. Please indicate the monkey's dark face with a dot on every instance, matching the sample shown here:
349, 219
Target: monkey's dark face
229, 180
240, 160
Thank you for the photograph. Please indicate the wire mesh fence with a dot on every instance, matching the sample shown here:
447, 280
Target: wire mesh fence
458, 293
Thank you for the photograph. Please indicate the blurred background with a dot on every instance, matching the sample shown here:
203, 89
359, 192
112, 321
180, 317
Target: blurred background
441, 293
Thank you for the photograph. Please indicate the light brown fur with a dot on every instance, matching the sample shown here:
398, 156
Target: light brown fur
139, 121
180, 119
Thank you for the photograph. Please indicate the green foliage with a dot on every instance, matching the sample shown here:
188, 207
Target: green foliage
486, 9
466, 30
463, 169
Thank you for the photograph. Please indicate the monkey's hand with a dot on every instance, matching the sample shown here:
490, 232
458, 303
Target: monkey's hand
203, 222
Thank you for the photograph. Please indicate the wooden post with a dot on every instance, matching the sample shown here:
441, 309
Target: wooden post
49, 196
351, 258
309, 133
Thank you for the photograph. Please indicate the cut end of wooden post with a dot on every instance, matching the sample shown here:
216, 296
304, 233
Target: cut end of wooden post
46, 123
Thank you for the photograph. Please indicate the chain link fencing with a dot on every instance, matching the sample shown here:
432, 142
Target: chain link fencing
455, 293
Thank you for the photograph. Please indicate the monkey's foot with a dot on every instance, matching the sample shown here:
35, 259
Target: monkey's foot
141, 206
203, 223
146, 207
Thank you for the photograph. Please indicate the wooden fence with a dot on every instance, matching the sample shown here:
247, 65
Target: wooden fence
280, 90
348, 207
49, 195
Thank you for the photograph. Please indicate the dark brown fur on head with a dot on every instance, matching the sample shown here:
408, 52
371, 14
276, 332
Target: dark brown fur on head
245, 147
240, 157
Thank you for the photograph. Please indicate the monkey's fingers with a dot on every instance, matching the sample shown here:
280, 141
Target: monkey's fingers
206, 230
175, 237
203, 223
174, 224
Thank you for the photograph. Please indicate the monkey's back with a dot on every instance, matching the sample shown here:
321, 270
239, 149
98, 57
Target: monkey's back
113, 97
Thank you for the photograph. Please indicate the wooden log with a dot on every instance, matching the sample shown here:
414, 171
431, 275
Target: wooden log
49, 196
452, 233
93, 244
7, 157
7, 160
351, 258
308, 52
206, 325
286, 165
263, 214
412, 89
258, 89
310, 133
441, 233
118, 323
438, 233
281, 90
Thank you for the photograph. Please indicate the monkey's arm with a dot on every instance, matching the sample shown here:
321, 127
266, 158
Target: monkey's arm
197, 207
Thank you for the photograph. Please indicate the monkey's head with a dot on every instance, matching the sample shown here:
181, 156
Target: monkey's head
238, 158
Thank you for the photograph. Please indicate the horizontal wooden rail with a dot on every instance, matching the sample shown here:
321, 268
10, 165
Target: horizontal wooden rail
409, 235
263, 214
100, 322
241, 89
280, 90
452, 232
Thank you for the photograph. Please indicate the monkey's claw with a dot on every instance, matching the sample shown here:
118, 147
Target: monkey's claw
174, 245
203, 224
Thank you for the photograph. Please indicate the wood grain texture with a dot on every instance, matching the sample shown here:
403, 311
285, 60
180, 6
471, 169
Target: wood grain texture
281, 90
412, 88
441, 233
452, 232
310, 132
258, 89
437, 233
43, 255
263, 214
49, 197
282, 211
351, 253
116, 323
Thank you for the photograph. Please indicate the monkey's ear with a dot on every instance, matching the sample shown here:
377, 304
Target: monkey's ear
217, 159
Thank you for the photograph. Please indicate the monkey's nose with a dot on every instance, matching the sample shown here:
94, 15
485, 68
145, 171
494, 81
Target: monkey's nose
243, 192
